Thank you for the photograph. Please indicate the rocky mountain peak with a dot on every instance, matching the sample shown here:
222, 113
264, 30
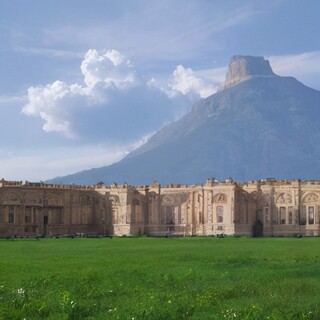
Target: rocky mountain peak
245, 67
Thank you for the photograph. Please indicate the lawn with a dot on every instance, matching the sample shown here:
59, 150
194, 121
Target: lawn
160, 278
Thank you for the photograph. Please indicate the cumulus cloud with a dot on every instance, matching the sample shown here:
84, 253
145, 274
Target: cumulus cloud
183, 80
110, 68
113, 103
58, 103
48, 103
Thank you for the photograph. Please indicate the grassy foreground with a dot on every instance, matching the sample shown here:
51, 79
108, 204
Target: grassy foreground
151, 278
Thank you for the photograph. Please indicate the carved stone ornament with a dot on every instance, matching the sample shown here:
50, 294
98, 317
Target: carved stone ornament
311, 197
11, 197
32, 199
115, 200
220, 197
284, 198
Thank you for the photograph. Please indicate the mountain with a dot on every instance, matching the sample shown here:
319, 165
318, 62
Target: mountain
257, 125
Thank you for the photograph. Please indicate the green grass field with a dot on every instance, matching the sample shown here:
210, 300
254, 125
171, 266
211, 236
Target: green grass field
158, 278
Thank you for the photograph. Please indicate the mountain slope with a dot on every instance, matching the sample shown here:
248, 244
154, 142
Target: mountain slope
258, 125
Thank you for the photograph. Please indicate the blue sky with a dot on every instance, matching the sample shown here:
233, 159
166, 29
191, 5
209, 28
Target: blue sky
84, 82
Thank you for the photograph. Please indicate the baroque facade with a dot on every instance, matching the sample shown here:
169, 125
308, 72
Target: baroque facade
262, 208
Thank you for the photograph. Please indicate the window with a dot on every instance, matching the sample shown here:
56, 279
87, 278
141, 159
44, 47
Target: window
290, 217
27, 219
311, 215
244, 213
282, 215
11, 215
266, 215
219, 214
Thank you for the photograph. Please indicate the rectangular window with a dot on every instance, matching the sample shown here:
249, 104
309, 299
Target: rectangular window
11, 214
11, 217
27, 219
243, 214
290, 218
282, 215
219, 214
266, 215
169, 214
311, 215
34, 215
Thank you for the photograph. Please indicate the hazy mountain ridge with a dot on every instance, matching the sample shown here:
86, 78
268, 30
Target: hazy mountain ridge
263, 125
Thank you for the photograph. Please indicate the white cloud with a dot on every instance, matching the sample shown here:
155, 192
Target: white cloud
305, 67
183, 80
55, 103
50, 103
12, 99
307, 62
111, 68
113, 103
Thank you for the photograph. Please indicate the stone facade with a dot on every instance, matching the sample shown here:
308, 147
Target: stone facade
265, 207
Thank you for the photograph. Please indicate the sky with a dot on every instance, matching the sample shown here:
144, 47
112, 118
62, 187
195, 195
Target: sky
82, 83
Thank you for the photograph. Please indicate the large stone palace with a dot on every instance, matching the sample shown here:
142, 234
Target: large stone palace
256, 208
